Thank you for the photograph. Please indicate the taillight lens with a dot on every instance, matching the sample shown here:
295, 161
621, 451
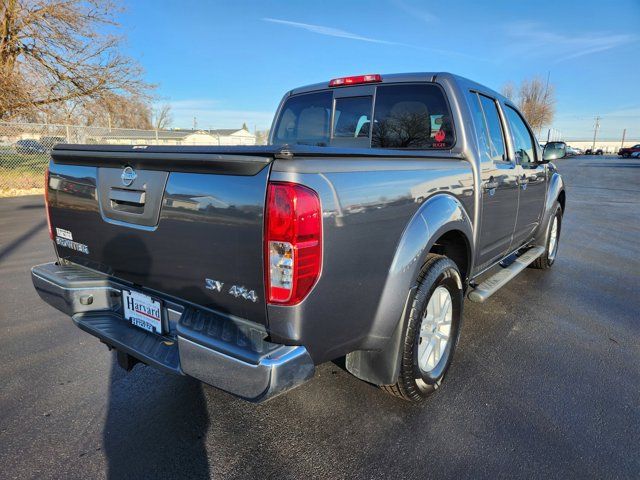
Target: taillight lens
46, 202
293, 242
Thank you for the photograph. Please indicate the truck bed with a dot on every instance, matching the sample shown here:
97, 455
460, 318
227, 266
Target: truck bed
190, 226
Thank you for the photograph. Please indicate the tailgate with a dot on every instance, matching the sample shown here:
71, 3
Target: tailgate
184, 221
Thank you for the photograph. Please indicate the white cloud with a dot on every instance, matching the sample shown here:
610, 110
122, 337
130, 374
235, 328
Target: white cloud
329, 31
418, 13
336, 32
626, 112
531, 38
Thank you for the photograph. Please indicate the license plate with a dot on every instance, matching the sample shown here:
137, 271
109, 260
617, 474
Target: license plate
142, 311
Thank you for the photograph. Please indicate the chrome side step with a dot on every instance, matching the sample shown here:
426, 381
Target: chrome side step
494, 283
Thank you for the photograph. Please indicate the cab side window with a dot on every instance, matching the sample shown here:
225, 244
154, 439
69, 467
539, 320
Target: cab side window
488, 128
523, 141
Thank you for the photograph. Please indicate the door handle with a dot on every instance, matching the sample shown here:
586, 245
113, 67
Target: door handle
136, 197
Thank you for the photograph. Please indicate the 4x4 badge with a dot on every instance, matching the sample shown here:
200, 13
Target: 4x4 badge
235, 290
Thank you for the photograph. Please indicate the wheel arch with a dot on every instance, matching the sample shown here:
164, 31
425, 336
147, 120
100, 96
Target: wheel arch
555, 193
441, 225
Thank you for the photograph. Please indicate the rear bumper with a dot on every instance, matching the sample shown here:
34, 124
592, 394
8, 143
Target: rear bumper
227, 353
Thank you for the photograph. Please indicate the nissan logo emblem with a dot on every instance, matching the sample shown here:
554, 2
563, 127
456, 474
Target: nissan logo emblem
128, 176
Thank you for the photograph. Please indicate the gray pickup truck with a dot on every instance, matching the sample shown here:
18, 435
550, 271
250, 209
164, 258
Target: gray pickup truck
379, 205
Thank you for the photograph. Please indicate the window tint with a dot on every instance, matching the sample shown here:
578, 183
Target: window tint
411, 116
305, 120
352, 117
522, 140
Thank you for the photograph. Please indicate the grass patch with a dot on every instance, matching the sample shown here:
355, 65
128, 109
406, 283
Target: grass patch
21, 174
22, 178
16, 160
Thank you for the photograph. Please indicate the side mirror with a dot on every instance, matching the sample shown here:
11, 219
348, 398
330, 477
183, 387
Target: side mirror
554, 151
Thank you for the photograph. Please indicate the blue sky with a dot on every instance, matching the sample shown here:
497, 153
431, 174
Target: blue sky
229, 62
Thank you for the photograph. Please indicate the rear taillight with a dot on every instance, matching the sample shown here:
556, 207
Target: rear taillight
46, 202
293, 242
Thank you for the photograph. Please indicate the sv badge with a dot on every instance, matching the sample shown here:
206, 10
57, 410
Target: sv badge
214, 285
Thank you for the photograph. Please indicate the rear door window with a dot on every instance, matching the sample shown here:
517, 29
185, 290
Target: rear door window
523, 142
488, 128
412, 116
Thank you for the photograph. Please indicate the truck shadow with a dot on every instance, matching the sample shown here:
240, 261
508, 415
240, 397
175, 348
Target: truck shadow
155, 426
20, 240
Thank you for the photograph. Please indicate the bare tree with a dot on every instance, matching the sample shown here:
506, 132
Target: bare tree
403, 130
117, 111
535, 99
262, 137
52, 52
162, 117
509, 90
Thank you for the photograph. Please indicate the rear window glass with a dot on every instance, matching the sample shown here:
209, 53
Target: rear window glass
305, 120
352, 117
411, 116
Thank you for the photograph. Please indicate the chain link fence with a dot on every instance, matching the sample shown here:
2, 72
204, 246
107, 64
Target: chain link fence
25, 147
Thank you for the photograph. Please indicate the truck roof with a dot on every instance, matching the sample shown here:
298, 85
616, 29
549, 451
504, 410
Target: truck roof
409, 77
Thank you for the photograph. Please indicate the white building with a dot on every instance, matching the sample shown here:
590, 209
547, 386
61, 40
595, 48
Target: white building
48, 135
227, 136
607, 146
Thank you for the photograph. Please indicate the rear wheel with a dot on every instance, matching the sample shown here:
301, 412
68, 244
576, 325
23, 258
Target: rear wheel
432, 330
545, 260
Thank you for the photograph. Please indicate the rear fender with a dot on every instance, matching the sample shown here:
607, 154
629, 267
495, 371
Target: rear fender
379, 360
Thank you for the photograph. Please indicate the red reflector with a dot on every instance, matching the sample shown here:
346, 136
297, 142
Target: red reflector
293, 242
46, 202
339, 82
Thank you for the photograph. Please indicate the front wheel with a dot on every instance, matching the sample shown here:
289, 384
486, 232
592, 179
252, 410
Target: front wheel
433, 328
545, 260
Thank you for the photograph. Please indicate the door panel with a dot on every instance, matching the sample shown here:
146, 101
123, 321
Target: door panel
499, 211
499, 177
532, 178
533, 189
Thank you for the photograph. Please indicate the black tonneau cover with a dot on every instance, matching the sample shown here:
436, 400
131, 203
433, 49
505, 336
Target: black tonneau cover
232, 160
236, 160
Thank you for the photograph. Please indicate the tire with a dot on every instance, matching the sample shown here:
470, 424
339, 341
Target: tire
547, 259
438, 278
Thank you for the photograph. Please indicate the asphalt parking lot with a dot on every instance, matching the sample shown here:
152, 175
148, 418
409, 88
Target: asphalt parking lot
545, 383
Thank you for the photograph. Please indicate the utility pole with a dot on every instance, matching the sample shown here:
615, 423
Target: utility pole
548, 135
195, 123
624, 134
595, 133
546, 87
546, 97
